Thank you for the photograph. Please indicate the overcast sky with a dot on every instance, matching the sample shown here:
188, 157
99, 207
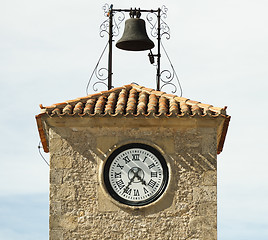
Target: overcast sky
219, 49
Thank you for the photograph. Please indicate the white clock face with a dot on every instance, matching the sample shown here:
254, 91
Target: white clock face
136, 174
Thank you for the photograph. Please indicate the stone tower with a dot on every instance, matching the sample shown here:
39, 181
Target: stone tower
133, 163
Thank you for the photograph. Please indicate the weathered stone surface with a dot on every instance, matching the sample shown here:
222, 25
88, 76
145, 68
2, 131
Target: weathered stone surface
209, 178
81, 209
61, 162
56, 234
205, 193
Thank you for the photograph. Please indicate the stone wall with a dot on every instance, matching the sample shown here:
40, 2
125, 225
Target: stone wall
80, 208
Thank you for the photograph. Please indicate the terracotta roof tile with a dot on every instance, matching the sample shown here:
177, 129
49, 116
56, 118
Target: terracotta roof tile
153, 104
67, 109
99, 108
185, 109
163, 105
109, 108
133, 101
121, 103
174, 107
78, 108
142, 103
89, 107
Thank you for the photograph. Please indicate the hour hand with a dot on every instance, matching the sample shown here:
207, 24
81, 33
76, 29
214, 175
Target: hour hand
139, 177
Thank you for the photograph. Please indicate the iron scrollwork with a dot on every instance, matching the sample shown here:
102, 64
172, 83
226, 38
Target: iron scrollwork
152, 19
118, 18
102, 76
102, 73
104, 27
166, 77
158, 29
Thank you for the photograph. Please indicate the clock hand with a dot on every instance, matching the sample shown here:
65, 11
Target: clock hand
142, 181
139, 177
131, 180
135, 175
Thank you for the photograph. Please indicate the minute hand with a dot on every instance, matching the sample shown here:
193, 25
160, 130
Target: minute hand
132, 179
139, 177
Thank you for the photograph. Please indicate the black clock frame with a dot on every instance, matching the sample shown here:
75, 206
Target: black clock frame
130, 146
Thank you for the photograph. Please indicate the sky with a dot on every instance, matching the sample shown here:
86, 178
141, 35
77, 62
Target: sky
48, 50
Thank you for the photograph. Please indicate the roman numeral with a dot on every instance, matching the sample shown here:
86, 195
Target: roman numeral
127, 160
153, 174
145, 190
144, 159
136, 192
151, 183
117, 175
118, 165
135, 157
120, 184
151, 165
127, 190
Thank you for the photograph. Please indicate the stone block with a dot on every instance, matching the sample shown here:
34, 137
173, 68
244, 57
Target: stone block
56, 176
209, 228
207, 209
60, 222
104, 143
61, 162
205, 194
56, 235
209, 140
188, 141
55, 145
167, 144
209, 178
105, 204
63, 191
55, 207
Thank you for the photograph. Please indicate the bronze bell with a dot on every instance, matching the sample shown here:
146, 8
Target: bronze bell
135, 37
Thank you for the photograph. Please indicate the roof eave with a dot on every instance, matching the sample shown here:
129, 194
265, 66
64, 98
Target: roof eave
223, 134
41, 131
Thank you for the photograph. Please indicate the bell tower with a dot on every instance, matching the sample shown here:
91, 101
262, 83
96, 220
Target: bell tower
133, 163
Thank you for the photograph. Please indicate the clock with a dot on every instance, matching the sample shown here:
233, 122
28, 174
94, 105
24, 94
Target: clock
135, 174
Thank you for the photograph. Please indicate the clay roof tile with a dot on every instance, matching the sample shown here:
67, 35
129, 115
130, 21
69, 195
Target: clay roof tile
142, 103
90, 106
132, 101
78, 109
67, 109
99, 107
109, 108
163, 105
153, 104
121, 103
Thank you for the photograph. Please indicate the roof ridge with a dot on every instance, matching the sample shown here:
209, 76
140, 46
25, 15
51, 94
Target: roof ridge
124, 102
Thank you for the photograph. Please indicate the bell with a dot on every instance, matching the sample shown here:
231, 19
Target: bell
135, 37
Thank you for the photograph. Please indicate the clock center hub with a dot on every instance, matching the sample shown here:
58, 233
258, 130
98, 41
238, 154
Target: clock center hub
136, 174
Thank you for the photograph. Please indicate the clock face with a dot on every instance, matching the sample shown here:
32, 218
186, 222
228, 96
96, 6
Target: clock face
136, 174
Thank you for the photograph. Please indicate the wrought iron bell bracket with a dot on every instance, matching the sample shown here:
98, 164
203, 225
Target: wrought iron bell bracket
158, 28
137, 13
